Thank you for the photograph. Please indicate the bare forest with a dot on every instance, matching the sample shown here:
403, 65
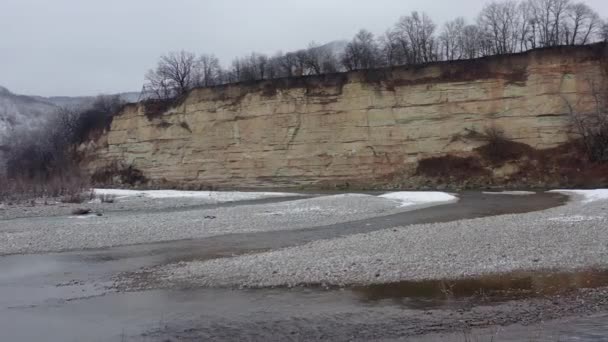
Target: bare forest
501, 27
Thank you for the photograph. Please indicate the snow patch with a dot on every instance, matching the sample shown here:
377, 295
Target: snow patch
576, 218
322, 205
87, 216
294, 211
588, 195
216, 196
410, 198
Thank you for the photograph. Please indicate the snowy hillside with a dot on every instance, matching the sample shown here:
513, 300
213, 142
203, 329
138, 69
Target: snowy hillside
79, 101
22, 112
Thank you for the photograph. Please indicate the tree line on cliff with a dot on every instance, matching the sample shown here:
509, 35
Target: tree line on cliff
502, 27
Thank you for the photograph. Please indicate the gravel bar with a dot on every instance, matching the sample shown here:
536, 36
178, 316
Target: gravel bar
572, 236
54, 234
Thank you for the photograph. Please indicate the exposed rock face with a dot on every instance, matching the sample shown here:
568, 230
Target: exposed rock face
362, 127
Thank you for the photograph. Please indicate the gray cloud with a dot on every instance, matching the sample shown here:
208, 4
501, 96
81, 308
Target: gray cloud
85, 47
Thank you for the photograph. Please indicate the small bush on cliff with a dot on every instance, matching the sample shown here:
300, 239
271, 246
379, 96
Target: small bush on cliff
499, 148
155, 108
592, 127
96, 118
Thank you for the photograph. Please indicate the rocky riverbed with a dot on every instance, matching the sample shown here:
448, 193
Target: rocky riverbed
568, 237
326, 267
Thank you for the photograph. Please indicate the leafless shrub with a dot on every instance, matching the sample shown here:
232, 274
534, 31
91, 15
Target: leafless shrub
106, 198
118, 173
592, 127
494, 134
155, 108
71, 183
44, 162
498, 147
75, 196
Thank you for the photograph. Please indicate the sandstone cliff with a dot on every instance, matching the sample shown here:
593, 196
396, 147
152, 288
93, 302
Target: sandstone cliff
363, 128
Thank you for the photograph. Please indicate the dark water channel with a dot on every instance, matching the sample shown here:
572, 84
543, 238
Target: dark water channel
67, 296
494, 288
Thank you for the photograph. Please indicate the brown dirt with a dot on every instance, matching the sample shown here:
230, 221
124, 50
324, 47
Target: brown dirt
452, 167
563, 166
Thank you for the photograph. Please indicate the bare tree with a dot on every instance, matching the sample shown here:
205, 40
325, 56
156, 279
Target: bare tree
417, 32
472, 42
503, 26
582, 25
391, 48
301, 59
174, 75
261, 65
548, 17
320, 59
500, 22
527, 26
209, 71
592, 126
452, 39
362, 52
274, 69
251, 68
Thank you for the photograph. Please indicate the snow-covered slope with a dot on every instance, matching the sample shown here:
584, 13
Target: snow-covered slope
23, 113
19, 112
80, 101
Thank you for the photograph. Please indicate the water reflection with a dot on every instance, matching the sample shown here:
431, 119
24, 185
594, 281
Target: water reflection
489, 288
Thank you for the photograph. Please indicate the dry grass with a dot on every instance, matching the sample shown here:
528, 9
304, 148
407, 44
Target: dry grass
106, 198
118, 173
69, 188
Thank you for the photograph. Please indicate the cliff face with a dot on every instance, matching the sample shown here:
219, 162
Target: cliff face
361, 128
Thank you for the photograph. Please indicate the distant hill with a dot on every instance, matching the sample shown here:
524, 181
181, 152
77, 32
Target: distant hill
19, 112
337, 47
79, 101
23, 113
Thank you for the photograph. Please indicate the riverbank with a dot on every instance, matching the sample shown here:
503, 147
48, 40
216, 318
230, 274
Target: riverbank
569, 237
164, 218
127, 293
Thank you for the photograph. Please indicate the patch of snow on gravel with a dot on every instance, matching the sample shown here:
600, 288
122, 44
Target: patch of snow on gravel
576, 218
293, 211
409, 198
83, 216
589, 195
218, 196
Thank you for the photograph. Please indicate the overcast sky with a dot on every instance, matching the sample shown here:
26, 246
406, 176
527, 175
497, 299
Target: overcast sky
86, 47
